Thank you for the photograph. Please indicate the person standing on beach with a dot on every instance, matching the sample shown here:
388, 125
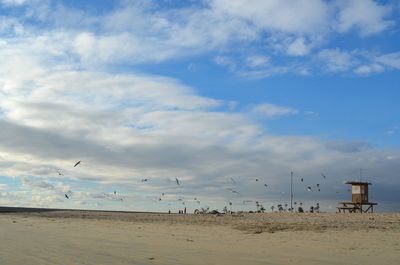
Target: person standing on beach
184, 211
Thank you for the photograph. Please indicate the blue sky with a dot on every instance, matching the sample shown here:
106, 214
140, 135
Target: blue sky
203, 90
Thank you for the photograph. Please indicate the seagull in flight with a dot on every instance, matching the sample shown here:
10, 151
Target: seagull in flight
66, 196
322, 174
266, 185
144, 180
60, 173
77, 163
177, 181
233, 180
233, 191
301, 179
309, 188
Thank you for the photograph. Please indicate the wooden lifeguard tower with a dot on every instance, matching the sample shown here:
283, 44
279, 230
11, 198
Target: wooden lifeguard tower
359, 198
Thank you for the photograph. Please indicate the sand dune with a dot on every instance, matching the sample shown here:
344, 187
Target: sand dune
81, 237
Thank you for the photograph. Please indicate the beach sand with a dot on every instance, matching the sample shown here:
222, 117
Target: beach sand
83, 237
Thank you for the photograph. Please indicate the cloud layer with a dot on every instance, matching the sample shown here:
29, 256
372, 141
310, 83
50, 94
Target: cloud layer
65, 96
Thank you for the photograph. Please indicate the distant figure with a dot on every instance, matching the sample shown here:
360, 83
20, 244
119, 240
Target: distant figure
300, 210
115, 192
77, 163
184, 211
169, 211
311, 209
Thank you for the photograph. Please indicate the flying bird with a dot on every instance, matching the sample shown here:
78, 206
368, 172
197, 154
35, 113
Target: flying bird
60, 173
233, 180
256, 179
322, 174
66, 196
265, 185
177, 181
301, 179
77, 163
318, 185
144, 180
309, 188
233, 191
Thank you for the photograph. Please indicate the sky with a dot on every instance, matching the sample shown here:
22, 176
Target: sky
223, 95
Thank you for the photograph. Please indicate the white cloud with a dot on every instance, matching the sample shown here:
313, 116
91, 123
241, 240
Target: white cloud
14, 2
390, 59
138, 32
255, 61
369, 69
298, 47
271, 110
367, 16
335, 60
305, 16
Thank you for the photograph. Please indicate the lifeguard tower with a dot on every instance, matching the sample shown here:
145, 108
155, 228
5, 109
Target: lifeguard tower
359, 198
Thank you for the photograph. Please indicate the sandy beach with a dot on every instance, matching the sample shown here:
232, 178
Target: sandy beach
84, 237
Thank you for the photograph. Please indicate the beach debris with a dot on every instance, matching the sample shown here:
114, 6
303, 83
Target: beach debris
77, 163
177, 181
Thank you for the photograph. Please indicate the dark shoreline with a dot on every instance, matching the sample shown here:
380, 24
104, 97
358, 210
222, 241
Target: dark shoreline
10, 209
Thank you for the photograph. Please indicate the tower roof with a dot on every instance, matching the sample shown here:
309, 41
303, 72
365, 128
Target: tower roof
358, 183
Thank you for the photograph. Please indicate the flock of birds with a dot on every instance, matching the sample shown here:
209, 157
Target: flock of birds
68, 194
310, 188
